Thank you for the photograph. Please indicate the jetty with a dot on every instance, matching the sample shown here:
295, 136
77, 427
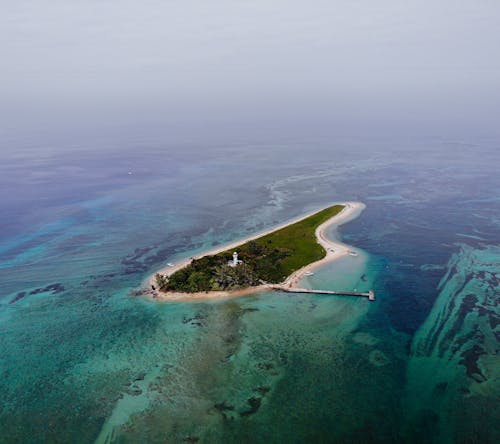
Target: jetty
370, 294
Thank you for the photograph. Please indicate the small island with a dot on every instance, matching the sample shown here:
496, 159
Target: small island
275, 259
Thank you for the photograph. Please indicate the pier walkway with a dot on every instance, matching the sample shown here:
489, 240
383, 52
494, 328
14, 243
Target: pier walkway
370, 294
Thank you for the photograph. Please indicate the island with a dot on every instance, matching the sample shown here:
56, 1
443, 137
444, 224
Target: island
275, 259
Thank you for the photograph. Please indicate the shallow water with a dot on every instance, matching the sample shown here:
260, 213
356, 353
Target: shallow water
83, 360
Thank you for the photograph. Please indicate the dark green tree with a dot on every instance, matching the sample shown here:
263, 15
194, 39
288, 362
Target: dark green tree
161, 281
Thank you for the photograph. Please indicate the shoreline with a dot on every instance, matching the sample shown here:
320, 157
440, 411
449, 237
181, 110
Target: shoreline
334, 249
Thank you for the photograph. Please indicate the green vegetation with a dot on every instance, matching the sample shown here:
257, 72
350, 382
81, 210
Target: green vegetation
270, 258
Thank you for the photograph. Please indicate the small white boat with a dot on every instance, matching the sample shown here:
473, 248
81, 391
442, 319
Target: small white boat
170, 264
308, 273
353, 253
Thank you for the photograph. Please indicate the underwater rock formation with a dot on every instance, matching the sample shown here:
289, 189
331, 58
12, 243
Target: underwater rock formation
454, 354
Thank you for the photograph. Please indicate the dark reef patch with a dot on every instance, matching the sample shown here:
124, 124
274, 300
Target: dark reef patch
254, 403
18, 297
262, 390
198, 320
224, 408
470, 359
53, 288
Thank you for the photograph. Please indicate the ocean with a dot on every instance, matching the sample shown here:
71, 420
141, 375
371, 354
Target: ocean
84, 359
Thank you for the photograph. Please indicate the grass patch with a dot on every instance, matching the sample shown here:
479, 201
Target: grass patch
270, 258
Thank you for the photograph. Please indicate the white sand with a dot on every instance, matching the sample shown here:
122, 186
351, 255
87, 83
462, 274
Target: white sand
334, 250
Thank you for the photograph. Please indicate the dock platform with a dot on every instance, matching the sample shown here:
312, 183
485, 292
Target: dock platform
370, 294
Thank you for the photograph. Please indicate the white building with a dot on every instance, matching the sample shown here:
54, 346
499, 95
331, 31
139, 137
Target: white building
235, 260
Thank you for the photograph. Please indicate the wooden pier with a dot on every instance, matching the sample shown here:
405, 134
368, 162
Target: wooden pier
370, 294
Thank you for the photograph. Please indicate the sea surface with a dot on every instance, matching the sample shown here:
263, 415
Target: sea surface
83, 359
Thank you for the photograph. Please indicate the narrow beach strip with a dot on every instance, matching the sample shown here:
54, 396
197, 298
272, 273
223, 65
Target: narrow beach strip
334, 250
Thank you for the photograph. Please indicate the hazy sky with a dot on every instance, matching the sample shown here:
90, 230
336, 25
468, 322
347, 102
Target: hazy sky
201, 52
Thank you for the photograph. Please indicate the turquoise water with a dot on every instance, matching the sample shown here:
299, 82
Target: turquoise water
82, 359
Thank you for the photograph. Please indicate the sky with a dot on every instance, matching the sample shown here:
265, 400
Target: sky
260, 57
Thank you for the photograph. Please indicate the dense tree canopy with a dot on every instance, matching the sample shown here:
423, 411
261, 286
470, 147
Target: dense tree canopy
267, 259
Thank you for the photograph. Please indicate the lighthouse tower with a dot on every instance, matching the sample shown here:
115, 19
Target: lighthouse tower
235, 259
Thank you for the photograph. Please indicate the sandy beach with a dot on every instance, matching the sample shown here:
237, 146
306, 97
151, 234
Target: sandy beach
333, 247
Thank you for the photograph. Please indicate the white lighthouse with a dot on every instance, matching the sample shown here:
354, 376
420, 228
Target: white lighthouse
235, 260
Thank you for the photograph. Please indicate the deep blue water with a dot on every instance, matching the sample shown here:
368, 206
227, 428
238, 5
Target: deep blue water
82, 359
